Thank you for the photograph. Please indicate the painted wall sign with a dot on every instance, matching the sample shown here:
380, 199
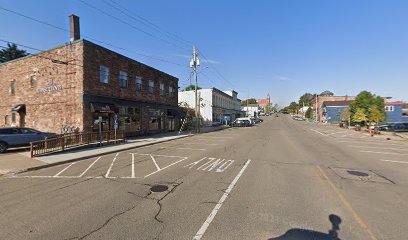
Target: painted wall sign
50, 89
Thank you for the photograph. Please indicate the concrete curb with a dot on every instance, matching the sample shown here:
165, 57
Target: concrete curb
86, 157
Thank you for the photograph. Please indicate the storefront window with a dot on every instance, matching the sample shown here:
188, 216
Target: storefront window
156, 119
129, 119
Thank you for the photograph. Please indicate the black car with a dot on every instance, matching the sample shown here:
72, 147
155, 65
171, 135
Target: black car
20, 137
241, 123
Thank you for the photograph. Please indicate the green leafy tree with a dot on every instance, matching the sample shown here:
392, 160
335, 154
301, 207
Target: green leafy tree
248, 101
326, 93
293, 107
268, 108
191, 87
346, 115
11, 52
360, 116
405, 105
366, 100
376, 116
306, 100
309, 113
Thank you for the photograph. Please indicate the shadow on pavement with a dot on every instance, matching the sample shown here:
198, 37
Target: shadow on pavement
304, 234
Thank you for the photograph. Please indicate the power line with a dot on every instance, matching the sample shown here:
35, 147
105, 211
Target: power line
88, 37
128, 24
215, 69
146, 22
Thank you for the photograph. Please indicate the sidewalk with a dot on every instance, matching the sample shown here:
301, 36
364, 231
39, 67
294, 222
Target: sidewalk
20, 160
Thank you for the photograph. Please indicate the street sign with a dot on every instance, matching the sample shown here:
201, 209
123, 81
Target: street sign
115, 125
115, 117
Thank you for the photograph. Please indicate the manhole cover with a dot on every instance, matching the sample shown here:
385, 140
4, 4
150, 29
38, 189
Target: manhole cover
358, 173
159, 188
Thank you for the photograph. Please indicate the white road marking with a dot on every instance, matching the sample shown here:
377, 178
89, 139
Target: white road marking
394, 161
158, 155
133, 165
89, 167
336, 133
165, 167
211, 159
318, 132
155, 163
227, 164
372, 143
356, 146
181, 148
213, 164
194, 163
110, 167
63, 170
217, 207
389, 153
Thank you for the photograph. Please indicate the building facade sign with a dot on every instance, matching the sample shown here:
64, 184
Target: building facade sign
50, 89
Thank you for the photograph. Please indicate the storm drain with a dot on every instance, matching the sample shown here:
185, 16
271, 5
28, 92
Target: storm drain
159, 188
361, 175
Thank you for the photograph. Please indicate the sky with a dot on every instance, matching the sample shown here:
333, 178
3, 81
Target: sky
281, 47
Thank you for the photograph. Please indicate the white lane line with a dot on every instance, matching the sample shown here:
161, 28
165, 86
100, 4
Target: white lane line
372, 143
110, 167
155, 163
89, 167
63, 170
318, 132
394, 161
133, 165
389, 153
357, 146
217, 207
181, 148
165, 167
336, 133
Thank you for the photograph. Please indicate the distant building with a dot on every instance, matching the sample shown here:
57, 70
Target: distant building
319, 100
216, 106
252, 110
395, 112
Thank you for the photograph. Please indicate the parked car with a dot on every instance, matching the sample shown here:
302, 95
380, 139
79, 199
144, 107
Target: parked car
247, 118
400, 127
241, 123
20, 137
297, 118
257, 120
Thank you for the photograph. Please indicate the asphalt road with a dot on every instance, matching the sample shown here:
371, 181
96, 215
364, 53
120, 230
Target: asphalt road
279, 180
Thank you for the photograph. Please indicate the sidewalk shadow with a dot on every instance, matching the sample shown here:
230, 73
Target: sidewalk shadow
304, 234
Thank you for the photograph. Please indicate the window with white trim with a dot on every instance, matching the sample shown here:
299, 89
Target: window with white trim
151, 86
123, 79
138, 83
161, 92
389, 108
103, 74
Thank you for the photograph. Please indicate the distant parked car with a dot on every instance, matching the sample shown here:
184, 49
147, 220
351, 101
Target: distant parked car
257, 120
247, 118
297, 118
241, 123
20, 137
400, 127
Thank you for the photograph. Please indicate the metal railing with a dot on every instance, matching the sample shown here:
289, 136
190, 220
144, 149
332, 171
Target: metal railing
68, 141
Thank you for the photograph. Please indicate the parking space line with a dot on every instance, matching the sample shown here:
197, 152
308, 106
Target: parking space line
394, 161
329, 134
318, 132
389, 153
158, 155
110, 167
155, 163
217, 207
356, 146
371, 142
63, 170
181, 148
133, 165
89, 167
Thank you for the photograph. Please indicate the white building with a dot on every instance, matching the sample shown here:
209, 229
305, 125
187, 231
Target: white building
216, 106
252, 110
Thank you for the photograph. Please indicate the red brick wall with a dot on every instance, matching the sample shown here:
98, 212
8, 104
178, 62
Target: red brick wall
50, 110
322, 99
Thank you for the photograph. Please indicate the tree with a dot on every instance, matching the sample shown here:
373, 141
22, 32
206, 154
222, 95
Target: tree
249, 101
309, 113
405, 105
293, 107
11, 52
268, 108
191, 87
306, 99
360, 116
346, 115
326, 93
376, 116
366, 101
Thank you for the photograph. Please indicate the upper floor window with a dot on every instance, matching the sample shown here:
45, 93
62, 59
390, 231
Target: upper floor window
171, 91
123, 79
161, 89
389, 108
138, 83
151, 86
12, 89
104, 74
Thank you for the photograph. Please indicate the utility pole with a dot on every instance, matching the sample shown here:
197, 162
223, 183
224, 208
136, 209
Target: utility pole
193, 64
316, 109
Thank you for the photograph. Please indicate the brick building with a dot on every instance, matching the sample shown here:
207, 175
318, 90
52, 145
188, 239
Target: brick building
319, 100
71, 86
